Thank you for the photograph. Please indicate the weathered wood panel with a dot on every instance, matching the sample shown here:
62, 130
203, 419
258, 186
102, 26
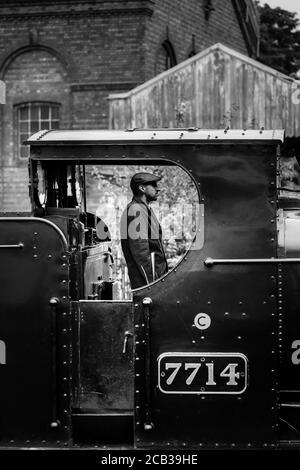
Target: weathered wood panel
218, 87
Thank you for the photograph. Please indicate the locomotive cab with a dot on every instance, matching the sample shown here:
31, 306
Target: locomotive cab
58, 194
205, 356
102, 397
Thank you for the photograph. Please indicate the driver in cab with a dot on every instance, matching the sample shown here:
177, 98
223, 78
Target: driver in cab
141, 233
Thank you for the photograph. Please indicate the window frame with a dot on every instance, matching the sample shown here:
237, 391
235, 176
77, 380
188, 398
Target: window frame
51, 105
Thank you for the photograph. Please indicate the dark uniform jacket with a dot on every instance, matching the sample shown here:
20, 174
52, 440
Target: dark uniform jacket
141, 235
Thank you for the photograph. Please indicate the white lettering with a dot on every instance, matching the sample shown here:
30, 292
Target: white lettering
202, 321
173, 365
296, 354
2, 352
210, 367
191, 377
229, 372
120, 460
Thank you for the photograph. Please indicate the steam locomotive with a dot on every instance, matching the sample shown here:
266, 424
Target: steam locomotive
207, 356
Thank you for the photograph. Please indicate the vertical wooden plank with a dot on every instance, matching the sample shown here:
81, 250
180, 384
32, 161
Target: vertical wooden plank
201, 90
246, 110
268, 101
197, 85
241, 69
150, 107
165, 122
227, 92
205, 103
250, 91
274, 106
261, 115
218, 90
279, 99
256, 98
189, 93
284, 104
194, 96
222, 90
209, 100
236, 94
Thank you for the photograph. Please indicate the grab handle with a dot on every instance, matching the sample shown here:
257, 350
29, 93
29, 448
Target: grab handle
209, 262
19, 245
54, 302
148, 424
127, 335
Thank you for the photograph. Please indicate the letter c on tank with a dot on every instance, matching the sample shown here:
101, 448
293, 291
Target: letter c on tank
202, 321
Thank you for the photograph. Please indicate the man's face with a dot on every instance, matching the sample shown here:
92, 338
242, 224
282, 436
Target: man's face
151, 191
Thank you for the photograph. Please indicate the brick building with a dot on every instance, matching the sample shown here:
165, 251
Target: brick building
60, 59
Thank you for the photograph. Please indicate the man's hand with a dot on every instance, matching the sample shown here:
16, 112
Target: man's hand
172, 262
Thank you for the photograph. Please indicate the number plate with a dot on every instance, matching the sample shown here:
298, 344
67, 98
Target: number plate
202, 373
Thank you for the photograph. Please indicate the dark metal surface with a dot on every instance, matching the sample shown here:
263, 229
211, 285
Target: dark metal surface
103, 429
239, 190
106, 371
29, 278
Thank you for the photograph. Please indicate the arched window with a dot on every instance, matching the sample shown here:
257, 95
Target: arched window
192, 50
170, 57
33, 117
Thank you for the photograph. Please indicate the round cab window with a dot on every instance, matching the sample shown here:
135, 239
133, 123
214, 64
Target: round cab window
151, 214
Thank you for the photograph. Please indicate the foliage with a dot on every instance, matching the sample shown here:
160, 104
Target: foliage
290, 173
279, 39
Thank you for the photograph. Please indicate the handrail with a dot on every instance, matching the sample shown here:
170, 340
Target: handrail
53, 302
148, 425
211, 261
20, 245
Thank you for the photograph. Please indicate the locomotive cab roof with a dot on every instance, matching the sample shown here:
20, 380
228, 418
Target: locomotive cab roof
152, 136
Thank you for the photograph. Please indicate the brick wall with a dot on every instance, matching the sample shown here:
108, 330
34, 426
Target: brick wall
14, 189
77, 52
64, 54
179, 21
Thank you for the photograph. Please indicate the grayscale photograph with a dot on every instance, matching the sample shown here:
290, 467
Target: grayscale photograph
149, 230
